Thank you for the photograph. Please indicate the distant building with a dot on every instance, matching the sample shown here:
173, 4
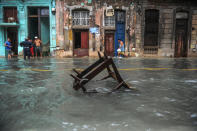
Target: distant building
20, 19
147, 27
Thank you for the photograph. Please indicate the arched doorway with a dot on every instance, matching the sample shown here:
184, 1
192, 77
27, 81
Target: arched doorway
181, 34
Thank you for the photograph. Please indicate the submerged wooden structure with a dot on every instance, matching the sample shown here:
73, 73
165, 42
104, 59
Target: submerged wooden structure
81, 78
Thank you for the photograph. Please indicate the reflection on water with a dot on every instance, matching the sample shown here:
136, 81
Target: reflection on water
37, 95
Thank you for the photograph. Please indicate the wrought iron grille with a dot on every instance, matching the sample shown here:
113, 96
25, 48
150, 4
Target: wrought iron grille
151, 50
109, 20
120, 16
151, 27
81, 18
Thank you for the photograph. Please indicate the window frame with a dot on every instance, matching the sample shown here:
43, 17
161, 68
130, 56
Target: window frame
80, 18
109, 21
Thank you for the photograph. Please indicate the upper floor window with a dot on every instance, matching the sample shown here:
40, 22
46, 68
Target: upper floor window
10, 14
81, 18
120, 16
109, 18
38, 11
44, 12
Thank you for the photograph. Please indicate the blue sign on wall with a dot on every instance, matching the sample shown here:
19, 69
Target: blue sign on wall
94, 30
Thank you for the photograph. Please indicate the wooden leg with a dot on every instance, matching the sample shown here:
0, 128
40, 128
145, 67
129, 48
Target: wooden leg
105, 77
99, 54
111, 74
75, 77
84, 89
118, 77
129, 86
76, 71
118, 86
105, 55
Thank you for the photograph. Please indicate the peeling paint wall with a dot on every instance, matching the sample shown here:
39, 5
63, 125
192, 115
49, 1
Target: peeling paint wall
134, 27
97, 9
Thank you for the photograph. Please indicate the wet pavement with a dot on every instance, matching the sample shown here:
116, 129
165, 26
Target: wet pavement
37, 95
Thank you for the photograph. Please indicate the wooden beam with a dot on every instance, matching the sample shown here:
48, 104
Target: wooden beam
91, 67
97, 70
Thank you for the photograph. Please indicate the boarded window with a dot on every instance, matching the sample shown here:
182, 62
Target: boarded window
81, 18
151, 27
10, 14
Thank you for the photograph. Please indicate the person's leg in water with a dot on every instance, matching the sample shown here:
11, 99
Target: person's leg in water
40, 52
29, 56
6, 54
25, 53
9, 54
28, 53
34, 51
122, 54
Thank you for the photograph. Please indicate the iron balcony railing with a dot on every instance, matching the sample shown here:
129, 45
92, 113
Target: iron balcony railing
152, 50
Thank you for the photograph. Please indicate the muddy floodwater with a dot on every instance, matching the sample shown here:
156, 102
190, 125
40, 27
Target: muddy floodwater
37, 95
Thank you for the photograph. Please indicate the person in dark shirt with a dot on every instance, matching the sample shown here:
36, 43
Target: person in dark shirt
26, 48
8, 46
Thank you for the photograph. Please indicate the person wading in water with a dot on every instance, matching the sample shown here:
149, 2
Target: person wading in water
38, 49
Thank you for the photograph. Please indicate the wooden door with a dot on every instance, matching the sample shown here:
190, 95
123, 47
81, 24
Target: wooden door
81, 43
84, 40
120, 29
109, 44
181, 38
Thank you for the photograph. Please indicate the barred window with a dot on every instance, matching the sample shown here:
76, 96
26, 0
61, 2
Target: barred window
109, 20
120, 16
81, 17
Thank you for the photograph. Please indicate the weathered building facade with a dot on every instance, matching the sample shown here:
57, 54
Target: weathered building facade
20, 19
165, 28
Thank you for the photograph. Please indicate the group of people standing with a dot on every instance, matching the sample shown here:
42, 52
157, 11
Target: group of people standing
30, 48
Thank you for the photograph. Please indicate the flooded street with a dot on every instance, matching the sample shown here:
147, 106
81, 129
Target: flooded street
37, 95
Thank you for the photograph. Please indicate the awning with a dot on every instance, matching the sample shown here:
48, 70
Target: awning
9, 24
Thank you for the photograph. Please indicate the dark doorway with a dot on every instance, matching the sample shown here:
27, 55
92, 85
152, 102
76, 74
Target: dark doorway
181, 38
81, 44
33, 27
77, 36
151, 31
109, 44
12, 33
39, 25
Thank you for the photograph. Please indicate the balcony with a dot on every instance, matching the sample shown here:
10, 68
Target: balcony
9, 22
